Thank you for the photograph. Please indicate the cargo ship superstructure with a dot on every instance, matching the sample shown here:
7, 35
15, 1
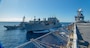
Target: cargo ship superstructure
43, 26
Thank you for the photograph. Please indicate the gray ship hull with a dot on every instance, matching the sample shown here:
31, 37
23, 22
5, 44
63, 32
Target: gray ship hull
41, 27
11, 27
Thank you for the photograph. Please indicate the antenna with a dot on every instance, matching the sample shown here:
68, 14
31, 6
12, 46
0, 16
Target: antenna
34, 18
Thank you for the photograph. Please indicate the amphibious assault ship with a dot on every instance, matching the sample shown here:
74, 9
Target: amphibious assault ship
83, 30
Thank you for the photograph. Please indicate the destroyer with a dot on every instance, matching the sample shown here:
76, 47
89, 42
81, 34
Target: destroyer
20, 26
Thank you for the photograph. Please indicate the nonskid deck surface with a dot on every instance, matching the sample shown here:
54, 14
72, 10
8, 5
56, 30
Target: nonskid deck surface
84, 33
84, 29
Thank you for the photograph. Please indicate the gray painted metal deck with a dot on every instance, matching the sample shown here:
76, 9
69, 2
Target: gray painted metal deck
84, 32
84, 29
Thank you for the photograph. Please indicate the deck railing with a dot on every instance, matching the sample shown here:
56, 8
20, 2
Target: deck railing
75, 37
23, 45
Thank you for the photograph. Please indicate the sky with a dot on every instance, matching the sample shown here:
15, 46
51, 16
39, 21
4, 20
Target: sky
64, 10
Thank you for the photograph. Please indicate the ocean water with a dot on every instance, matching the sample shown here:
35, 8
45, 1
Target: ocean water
13, 38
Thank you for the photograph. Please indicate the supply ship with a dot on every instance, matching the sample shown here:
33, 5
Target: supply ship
43, 26
37, 28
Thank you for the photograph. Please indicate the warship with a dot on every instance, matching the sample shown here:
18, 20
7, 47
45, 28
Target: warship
37, 28
83, 30
43, 26
20, 26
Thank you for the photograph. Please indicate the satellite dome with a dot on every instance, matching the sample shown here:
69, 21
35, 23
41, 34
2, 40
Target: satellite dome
80, 9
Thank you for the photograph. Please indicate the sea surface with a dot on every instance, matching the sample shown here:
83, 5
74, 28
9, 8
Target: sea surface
13, 38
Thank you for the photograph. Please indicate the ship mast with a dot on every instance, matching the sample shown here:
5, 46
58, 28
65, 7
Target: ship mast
34, 18
24, 19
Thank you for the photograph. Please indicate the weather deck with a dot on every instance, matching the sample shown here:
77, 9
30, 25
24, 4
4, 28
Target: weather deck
83, 31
